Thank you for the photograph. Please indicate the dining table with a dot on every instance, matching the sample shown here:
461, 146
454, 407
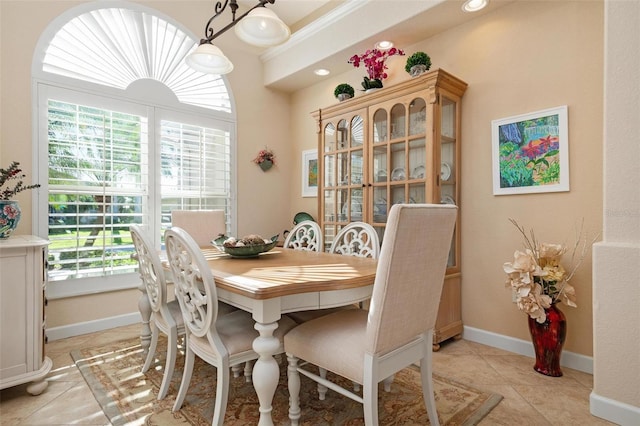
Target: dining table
274, 283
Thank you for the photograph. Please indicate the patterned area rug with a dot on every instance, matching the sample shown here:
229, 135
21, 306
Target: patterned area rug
128, 397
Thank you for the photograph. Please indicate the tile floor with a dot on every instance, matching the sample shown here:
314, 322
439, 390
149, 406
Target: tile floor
529, 398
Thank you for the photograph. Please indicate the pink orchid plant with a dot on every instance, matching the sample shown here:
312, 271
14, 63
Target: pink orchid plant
374, 61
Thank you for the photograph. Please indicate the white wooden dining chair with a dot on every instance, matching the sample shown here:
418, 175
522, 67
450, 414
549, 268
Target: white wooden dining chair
222, 341
202, 225
165, 316
357, 239
368, 346
306, 235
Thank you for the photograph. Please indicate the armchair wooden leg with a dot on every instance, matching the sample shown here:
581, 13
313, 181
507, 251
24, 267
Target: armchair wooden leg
236, 369
186, 379
151, 350
222, 394
294, 389
172, 349
248, 371
387, 383
322, 389
370, 399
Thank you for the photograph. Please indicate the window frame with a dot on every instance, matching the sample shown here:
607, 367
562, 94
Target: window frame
152, 96
155, 114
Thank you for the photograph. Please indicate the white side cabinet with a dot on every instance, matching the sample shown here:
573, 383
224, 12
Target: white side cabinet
23, 277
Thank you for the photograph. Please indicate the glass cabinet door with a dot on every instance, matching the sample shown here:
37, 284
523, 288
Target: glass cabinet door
343, 169
379, 126
397, 159
448, 166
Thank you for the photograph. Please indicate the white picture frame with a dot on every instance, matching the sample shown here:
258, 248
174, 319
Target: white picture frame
530, 152
310, 173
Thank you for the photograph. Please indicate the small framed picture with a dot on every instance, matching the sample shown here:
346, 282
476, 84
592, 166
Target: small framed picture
531, 152
310, 173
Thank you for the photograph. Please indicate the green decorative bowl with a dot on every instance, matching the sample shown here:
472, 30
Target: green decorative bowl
301, 217
244, 252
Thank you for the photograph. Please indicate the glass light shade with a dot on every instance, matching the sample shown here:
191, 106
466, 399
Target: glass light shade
209, 59
262, 27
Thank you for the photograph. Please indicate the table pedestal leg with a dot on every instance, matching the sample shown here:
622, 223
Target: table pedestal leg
145, 312
266, 371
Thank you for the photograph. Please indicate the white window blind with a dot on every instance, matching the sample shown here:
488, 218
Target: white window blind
100, 166
115, 47
126, 133
196, 166
98, 163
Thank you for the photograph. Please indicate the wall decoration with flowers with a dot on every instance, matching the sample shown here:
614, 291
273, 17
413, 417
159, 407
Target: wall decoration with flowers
265, 159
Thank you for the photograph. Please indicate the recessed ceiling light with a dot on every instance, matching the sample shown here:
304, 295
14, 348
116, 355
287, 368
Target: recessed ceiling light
384, 45
321, 71
474, 5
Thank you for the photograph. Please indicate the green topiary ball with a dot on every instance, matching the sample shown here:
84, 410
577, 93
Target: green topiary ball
418, 58
344, 88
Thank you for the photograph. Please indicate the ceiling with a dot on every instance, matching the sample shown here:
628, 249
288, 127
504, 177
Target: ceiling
325, 33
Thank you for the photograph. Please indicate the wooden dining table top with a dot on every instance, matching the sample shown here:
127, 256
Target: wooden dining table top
283, 272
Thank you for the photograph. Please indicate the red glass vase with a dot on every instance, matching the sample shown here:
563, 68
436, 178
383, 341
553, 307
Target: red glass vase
548, 339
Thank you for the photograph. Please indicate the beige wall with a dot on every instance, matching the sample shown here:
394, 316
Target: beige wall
524, 57
262, 114
616, 281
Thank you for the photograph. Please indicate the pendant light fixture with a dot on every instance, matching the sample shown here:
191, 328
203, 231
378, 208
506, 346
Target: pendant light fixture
258, 26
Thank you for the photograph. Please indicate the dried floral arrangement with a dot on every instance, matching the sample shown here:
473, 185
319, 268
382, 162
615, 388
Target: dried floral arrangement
8, 177
537, 276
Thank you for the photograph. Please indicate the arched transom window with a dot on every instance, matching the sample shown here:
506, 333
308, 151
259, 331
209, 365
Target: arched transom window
126, 134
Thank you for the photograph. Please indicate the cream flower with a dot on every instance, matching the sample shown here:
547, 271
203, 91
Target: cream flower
534, 304
551, 251
522, 269
537, 277
568, 295
554, 273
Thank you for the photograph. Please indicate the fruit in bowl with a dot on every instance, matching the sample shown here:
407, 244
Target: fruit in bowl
248, 246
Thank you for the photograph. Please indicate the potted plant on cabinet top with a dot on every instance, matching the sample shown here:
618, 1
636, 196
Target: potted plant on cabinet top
417, 63
343, 91
374, 61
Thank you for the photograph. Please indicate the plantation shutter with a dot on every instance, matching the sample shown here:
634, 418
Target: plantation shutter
98, 168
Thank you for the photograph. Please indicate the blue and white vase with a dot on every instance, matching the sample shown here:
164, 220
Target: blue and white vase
9, 217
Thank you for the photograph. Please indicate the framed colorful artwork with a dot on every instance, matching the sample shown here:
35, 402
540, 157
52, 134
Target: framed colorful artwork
310, 173
531, 152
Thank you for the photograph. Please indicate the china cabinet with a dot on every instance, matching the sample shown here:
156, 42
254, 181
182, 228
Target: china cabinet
400, 144
23, 277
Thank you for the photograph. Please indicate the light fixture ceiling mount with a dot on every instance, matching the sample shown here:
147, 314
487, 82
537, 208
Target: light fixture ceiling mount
474, 5
259, 27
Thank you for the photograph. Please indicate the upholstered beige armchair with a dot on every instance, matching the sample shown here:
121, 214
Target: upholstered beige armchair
397, 330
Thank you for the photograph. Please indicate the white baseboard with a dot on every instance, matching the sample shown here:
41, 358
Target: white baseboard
77, 329
614, 411
525, 347
518, 346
